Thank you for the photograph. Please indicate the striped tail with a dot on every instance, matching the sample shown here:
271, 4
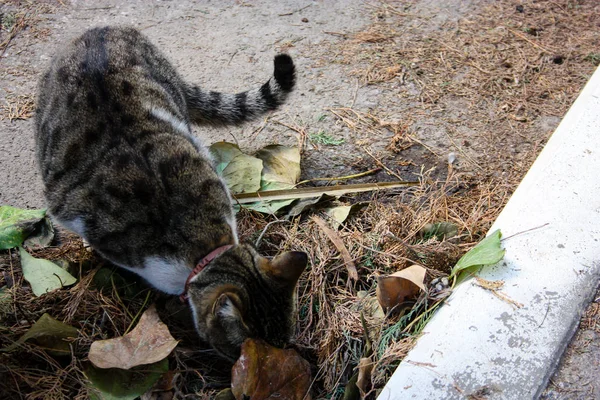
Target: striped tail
222, 109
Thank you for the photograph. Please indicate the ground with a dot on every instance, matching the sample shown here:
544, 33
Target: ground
457, 91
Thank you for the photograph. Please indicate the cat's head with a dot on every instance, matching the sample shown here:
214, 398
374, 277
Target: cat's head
242, 295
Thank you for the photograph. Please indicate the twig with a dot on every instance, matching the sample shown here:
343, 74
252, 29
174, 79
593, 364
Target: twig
382, 165
339, 244
259, 129
424, 145
344, 35
233, 55
340, 178
278, 221
525, 231
142, 308
530, 41
292, 12
493, 287
462, 152
355, 94
395, 257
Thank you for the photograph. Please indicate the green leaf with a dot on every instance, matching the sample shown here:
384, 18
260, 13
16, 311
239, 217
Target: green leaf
49, 334
487, 252
439, 230
120, 384
223, 153
281, 170
281, 167
44, 276
243, 174
16, 224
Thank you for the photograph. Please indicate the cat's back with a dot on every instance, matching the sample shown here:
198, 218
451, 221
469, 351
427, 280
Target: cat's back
118, 161
111, 73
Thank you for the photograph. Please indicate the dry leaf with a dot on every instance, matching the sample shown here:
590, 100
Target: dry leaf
266, 372
308, 192
339, 244
365, 368
394, 289
150, 341
370, 307
281, 166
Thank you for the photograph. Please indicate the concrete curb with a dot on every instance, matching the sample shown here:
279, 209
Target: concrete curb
477, 344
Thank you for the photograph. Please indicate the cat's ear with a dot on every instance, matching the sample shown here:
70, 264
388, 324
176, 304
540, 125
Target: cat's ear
227, 306
286, 268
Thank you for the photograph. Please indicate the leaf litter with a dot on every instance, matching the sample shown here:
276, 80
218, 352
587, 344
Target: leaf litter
385, 237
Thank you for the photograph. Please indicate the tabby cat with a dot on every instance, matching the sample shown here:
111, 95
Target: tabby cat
121, 169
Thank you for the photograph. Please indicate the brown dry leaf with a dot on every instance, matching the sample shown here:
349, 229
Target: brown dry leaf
365, 367
394, 289
339, 244
162, 389
266, 372
149, 342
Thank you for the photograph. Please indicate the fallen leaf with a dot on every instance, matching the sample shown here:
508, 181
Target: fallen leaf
225, 394
395, 289
223, 153
51, 335
339, 214
303, 205
339, 244
120, 384
304, 193
44, 276
149, 342
162, 389
351, 391
268, 207
281, 167
486, 252
439, 230
370, 307
365, 368
16, 224
242, 174
265, 372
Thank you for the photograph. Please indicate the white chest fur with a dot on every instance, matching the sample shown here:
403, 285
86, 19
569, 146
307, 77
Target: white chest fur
166, 275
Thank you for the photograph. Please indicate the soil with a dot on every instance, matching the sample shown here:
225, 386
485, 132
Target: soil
349, 89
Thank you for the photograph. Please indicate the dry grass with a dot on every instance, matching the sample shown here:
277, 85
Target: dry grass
508, 71
17, 107
497, 74
21, 15
330, 333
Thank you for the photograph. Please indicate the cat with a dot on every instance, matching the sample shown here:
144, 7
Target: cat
121, 169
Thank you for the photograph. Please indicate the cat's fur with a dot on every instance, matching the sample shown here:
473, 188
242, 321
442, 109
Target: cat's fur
122, 169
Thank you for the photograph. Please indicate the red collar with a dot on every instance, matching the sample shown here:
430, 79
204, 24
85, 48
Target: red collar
200, 266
